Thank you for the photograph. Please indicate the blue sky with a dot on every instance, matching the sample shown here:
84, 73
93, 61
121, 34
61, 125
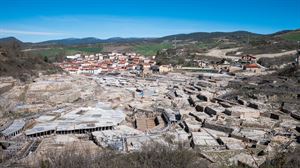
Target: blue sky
39, 20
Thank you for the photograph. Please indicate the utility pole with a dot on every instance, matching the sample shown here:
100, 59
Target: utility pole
298, 55
248, 39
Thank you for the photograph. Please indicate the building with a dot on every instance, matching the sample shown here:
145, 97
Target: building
78, 121
253, 68
202, 64
89, 71
15, 128
249, 59
165, 68
154, 68
171, 116
73, 57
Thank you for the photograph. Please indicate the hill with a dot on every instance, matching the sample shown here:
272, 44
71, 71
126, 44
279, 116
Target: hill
203, 36
247, 42
90, 40
20, 65
10, 40
198, 36
290, 35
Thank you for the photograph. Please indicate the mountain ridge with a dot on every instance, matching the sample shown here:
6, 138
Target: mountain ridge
182, 36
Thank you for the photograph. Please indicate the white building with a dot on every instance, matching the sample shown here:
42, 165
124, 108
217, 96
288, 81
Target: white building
76, 56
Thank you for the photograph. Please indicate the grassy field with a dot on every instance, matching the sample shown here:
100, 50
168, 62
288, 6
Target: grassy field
151, 49
53, 53
48, 52
86, 50
295, 36
207, 45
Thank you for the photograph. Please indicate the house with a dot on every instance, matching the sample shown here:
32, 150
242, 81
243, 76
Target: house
72, 70
165, 68
202, 64
147, 67
89, 70
253, 68
136, 60
223, 65
73, 57
249, 59
155, 68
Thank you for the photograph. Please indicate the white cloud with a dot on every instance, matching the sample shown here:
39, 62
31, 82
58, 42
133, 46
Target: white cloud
60, 19
9, 31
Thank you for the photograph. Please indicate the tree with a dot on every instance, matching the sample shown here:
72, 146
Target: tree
46, 59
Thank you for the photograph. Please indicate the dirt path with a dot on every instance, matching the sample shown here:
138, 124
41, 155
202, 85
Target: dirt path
221, 53
276, 54
35, 49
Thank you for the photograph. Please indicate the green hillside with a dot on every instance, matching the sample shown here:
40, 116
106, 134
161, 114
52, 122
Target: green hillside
54, 53
151, 49
295, 36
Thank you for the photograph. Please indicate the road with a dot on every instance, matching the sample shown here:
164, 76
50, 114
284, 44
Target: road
221, 53
276, 54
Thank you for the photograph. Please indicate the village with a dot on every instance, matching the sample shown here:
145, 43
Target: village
106, 63
112, 62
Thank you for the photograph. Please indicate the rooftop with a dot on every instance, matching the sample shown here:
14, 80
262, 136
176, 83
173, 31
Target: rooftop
14, 127
81, 118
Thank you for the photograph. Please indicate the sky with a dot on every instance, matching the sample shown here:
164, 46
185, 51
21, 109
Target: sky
40, 20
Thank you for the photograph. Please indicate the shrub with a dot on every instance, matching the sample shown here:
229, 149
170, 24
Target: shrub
151, 156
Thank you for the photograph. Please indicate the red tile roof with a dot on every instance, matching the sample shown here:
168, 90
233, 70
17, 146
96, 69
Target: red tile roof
252, 66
